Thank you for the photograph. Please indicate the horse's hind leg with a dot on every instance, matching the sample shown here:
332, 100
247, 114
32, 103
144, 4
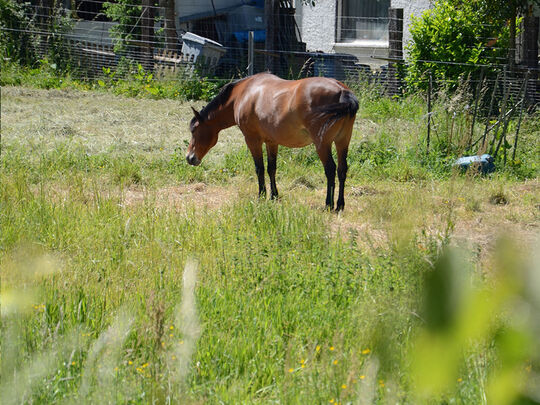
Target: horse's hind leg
325, 154
255, 147
271, 153
342, 148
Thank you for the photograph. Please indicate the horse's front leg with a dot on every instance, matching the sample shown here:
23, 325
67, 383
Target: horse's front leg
325, 154
255, 147
271, 153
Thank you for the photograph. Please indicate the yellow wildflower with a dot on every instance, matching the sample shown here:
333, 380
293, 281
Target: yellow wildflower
318, 348
335, 362
331, 348
344, 386
291, 370
362, 377
366, 351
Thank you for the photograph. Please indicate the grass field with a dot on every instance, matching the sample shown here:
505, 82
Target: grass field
130, 277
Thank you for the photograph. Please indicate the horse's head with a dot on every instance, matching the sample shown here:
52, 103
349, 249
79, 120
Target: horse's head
203, 137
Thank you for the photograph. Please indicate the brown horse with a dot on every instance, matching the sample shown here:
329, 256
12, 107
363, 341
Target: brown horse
276, 112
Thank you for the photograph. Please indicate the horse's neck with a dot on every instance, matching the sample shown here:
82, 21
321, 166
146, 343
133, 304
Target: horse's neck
223, 116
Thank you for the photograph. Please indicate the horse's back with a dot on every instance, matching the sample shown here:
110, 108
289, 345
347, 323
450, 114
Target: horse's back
284, 111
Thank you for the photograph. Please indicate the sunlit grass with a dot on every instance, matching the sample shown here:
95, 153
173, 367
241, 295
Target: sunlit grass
129, 276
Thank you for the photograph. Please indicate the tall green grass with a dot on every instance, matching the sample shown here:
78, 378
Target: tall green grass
273, 286
287, 309
279, 301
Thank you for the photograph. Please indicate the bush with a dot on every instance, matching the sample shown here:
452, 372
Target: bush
16, 43
459, 34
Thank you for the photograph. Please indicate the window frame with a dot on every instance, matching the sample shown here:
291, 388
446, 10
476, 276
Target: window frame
376, 43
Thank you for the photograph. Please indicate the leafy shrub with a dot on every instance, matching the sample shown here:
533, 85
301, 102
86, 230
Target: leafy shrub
128, 14
16, 42
461, 36
59, 51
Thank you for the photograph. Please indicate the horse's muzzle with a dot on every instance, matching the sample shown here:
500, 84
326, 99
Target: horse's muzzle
192, 159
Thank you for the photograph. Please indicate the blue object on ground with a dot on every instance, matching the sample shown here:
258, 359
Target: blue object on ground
484, 163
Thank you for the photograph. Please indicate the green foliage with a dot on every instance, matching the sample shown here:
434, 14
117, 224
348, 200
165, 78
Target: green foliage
130, 80
59, 51
136, 82
16, 42
127, 13
455, 38
45, 75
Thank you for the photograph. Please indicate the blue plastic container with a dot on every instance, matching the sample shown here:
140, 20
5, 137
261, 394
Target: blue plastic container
483, 163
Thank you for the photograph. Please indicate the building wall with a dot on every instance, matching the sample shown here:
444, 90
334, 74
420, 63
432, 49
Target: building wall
317, 26
410, 8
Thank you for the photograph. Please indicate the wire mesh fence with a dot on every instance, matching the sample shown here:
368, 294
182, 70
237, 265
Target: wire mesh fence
92, 37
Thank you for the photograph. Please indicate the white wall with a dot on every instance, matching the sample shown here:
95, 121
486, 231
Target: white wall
318, 28
317, 24
410, 7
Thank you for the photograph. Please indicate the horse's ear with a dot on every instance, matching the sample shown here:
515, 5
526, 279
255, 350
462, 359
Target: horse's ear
197, 115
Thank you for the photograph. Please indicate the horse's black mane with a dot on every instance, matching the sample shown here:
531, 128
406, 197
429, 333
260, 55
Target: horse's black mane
220, 99
214, 104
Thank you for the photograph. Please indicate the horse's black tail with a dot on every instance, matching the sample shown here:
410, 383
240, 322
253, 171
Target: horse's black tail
331, 113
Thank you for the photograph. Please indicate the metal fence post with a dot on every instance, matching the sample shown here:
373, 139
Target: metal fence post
395, 49
251, 53
430, 89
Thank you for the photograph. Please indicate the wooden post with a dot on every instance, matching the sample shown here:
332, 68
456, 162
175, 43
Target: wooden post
169, 25
251, 53
271, 8
395, 49
520, 117
529, 53
147, 34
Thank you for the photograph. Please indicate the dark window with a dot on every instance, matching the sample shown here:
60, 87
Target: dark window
363, 20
